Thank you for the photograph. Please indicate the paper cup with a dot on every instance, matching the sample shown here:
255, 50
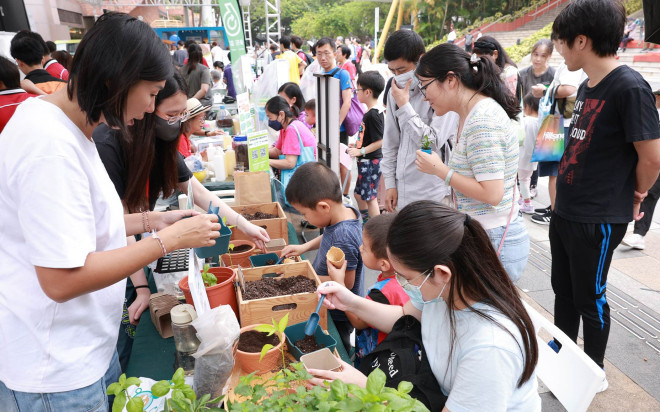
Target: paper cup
335, 256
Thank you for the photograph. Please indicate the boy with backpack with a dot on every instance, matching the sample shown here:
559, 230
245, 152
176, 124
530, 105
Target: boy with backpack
367, 149
408, 119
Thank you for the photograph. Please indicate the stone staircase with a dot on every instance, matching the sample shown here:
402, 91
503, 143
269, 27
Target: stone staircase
509, 38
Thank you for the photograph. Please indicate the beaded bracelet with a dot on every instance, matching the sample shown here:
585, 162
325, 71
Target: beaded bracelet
160, 242
146, 226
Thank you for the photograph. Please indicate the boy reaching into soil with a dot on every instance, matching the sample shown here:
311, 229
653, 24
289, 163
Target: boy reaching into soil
386, 289
314, 190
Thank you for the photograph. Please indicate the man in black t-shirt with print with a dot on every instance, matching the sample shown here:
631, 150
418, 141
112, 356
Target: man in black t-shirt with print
612, 158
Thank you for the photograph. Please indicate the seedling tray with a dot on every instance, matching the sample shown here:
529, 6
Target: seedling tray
296, 332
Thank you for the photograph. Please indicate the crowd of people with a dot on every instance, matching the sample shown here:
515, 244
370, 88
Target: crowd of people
452, 141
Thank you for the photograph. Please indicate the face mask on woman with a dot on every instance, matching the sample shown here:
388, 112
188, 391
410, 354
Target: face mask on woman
165, 131
415, 292
275, 125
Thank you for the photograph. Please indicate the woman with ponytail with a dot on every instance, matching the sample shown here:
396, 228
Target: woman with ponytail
478, 337
488, 47
484, 162
296, 144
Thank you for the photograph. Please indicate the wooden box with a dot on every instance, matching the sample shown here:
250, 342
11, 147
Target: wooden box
276, 227
264, 310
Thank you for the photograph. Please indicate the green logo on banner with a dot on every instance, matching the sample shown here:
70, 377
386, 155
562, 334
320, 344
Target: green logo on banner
231, 18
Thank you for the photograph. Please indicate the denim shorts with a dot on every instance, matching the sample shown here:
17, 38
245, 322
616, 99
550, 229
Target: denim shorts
91, 398
548, 169
368, 179
515, 250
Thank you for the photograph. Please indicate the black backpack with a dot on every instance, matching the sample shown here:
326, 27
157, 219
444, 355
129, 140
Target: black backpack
402, 357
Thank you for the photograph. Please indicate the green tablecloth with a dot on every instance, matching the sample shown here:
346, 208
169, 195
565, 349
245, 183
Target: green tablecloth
153, 357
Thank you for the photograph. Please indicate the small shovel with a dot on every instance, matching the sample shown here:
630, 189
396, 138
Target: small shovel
313, 321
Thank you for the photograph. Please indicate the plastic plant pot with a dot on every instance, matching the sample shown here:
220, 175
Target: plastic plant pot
224, 293
249, 361
322, 359
239, 258
296, 332
261, 260
426, 151
221, 243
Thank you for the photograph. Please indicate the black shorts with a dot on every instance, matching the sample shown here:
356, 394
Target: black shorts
343, 138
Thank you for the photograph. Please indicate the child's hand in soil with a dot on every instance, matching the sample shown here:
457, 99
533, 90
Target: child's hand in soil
292, 250
337, 274
257, 234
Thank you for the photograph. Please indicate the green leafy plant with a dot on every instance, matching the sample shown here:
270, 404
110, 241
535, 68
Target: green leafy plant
209, 278
230, 249
426, 143
278, 394
183, 397
276, 327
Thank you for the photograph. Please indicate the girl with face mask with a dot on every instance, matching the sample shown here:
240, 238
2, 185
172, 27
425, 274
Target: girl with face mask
478, 337
144, 163
296, 144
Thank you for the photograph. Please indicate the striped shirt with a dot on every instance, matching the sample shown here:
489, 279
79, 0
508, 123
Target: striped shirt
487, 149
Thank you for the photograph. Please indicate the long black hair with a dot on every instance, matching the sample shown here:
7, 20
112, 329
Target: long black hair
195, 57
292, 90
116, 53
488, 45
477, 274
148, 159
480, 75
279, 104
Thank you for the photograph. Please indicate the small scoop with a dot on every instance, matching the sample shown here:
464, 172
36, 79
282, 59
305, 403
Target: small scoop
313, 321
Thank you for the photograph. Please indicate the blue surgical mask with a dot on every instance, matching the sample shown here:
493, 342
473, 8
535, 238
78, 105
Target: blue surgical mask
275, 125
415, 292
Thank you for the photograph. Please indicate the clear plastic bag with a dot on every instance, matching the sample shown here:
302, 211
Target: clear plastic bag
217, 330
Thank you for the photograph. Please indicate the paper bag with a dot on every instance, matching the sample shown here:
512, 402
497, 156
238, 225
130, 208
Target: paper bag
252, 187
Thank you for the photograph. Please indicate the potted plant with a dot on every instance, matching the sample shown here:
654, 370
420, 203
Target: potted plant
263, 356
219, 283
238, 253
426, 144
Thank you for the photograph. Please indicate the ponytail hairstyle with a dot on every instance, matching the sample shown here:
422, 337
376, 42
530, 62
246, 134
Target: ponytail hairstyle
488, 45
476, 73
292, 90
195, 57
150, 160
279, 104
477, 274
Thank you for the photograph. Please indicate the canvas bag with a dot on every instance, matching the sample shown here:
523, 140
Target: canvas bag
355, 113
401, 355
306, 155
549, 146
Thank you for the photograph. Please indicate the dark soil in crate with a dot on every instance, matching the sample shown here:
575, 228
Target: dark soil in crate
270, 287
252, 341
240, 248
308, 344
270, 262
259, 216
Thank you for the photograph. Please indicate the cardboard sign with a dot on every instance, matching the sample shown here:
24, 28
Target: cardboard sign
258, 151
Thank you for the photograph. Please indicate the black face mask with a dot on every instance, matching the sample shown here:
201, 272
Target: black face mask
167, 132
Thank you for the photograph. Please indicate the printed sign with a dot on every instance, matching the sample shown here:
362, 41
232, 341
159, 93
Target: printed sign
258, 151
244, 114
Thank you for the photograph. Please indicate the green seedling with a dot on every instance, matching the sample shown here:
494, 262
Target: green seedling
276, 327
209, 278
426, 143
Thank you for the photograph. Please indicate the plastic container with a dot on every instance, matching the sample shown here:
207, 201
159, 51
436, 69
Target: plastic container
426, 151
249, 361
240, 146
224, 293
221, 243
185, 337
218, 163
230, 162
224, 120
239, 258
237, 124
296, 332
260, 260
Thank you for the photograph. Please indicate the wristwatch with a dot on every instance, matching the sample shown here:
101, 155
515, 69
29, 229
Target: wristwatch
363, 151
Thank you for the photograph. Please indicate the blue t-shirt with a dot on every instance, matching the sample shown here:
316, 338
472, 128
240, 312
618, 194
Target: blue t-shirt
347, 236
344, 83
231, 90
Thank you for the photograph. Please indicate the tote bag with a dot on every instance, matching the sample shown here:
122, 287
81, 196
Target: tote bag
306, 155
549, 146
355, 113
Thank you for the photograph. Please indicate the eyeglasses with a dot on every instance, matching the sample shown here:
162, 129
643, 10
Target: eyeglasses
360, 90
406, 285
173, 119
326, 54
423, 88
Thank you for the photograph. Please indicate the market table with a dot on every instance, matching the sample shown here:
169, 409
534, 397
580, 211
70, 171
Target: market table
153, 357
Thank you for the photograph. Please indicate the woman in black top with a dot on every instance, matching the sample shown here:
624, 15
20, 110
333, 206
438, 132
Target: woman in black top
539, 72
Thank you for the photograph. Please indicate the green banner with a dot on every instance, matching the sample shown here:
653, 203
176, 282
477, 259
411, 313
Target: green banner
233, 24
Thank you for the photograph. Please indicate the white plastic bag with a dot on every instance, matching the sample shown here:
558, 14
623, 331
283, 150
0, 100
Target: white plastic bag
151, 403
308, 81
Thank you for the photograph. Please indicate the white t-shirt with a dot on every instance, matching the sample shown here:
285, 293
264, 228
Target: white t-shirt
57, 205
451, 36
565, 77
485, 365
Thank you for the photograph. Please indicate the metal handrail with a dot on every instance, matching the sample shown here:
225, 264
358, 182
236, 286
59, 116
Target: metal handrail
547, 7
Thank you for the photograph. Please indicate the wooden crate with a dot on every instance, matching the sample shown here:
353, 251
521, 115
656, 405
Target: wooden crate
276, 228
264, 310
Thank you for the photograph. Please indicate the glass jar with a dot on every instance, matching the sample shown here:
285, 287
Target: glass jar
185, 338
240, 147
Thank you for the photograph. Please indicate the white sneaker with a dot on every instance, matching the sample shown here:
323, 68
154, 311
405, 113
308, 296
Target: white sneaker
603, 386
634, 240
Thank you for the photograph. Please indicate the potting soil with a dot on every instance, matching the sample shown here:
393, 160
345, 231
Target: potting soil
308, 344
270, 287
252, 341
240, 248
259, 216
270, 262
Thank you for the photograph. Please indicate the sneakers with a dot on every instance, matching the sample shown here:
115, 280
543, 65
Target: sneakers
532, 192
634, 240
543, 211
603, 386
347, 200
527, 208
542, 219
554, 345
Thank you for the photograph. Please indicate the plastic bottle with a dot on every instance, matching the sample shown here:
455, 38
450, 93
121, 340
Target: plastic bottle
230, 162
219, 166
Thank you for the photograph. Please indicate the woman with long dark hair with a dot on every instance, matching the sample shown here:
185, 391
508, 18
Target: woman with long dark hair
488, 47
296, 144
197, 75
63, 250
484, 162
478, 337
292, 93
